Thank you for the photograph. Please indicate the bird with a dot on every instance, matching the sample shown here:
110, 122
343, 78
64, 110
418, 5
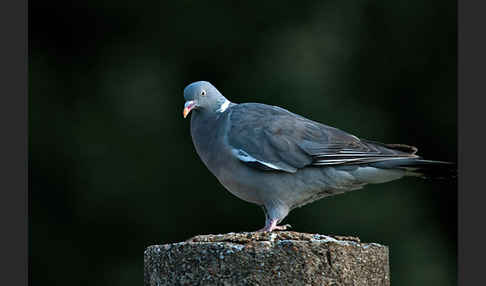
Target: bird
279, 160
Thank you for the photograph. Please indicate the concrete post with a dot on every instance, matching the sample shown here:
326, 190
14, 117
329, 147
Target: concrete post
276, 258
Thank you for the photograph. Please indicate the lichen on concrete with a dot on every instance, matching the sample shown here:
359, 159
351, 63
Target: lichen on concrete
276, 258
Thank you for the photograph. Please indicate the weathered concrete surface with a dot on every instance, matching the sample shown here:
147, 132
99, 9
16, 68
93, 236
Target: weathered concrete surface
277, 258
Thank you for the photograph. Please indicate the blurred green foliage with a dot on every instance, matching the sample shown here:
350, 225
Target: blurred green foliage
112, 166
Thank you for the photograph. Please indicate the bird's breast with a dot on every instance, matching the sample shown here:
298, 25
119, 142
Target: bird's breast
209, 138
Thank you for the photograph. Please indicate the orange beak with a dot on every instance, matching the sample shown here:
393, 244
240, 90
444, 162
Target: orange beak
188, 107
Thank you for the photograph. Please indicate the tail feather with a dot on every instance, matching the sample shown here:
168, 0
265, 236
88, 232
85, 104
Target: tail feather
427, 169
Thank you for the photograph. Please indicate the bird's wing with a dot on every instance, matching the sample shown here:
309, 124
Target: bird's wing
272, 138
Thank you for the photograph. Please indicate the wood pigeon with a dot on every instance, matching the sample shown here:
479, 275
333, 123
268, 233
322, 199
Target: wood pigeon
279, 160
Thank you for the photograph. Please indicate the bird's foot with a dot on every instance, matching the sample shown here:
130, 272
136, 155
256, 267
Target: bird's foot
272, 225
283, 227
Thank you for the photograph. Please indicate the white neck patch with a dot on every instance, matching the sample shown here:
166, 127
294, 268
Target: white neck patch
224, 106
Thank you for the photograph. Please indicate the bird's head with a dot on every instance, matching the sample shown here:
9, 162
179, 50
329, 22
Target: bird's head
203, 96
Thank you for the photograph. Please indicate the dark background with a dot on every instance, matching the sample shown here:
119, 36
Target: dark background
112, 166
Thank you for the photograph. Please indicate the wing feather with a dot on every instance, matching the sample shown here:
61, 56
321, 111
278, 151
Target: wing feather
272, 138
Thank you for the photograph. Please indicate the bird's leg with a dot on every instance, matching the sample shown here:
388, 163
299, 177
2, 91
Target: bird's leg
271, 223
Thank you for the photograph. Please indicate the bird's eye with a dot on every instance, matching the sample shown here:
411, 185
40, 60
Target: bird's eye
203, 93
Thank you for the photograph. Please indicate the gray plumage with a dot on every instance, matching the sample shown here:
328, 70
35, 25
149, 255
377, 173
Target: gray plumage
280, 160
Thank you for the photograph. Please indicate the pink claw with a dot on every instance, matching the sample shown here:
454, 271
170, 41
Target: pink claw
273, 226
